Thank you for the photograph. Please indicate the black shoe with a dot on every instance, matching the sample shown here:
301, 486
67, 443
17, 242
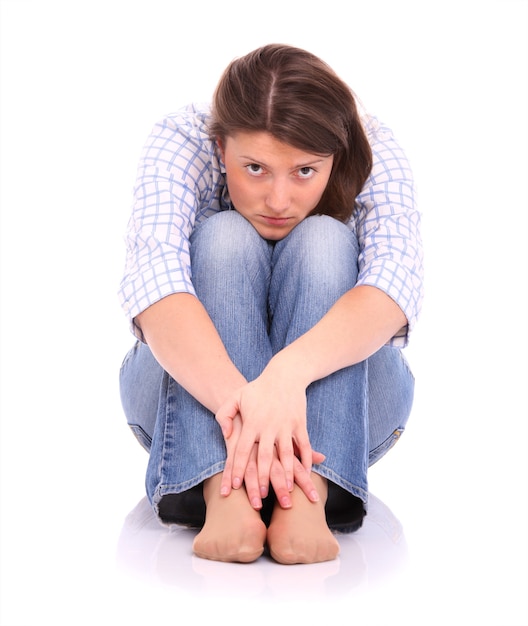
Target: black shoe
344, 512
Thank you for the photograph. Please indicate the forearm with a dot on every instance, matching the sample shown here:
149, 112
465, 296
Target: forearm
359, 323
185, 342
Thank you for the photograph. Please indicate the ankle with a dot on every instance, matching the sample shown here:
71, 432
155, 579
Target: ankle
211, 486
321, 486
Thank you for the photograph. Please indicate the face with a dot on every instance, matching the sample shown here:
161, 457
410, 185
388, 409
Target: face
273, 185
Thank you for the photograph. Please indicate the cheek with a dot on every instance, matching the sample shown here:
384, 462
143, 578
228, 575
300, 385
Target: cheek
240, 192
315, 196
236, 189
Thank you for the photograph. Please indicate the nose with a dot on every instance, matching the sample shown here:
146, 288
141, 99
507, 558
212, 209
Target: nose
278, 198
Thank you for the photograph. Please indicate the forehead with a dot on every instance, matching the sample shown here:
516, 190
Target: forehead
260, 145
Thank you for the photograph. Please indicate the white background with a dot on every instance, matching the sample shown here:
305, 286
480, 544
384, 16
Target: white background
82, 83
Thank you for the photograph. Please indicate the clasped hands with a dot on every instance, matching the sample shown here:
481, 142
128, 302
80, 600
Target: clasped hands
264, 427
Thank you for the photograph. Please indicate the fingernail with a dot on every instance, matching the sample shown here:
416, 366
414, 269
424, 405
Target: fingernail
263, 491
285, 502
314, 496
256, 503
224, 491
290, 485
237, 482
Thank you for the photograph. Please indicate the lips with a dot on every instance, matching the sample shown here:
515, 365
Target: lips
276, 221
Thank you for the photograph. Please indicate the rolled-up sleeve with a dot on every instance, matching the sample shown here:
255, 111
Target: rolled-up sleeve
179, 183
388, 228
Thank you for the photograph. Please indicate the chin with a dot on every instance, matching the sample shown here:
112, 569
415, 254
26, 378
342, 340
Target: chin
273, 234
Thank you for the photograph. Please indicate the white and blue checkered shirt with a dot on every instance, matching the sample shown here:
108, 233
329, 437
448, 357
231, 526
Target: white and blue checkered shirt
181, 182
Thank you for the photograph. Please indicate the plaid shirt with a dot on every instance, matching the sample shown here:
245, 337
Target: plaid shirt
181, 182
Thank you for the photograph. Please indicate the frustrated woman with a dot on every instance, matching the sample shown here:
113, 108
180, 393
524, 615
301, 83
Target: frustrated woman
274, 272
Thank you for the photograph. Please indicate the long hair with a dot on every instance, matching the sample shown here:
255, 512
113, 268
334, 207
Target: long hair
298, 99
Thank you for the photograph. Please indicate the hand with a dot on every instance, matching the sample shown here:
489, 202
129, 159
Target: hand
278, 481
281, 488
273, 416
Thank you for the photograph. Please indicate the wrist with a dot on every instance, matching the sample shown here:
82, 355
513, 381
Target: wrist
289, 366
224, 390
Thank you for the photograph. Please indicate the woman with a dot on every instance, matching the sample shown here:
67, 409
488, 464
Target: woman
273, 275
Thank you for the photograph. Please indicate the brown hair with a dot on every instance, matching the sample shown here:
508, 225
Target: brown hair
297, 98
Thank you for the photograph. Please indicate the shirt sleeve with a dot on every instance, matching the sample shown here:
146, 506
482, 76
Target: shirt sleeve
179, 182
388, 229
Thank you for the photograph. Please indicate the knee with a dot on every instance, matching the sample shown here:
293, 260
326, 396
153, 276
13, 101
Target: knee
322, 232
223, 239
324, 250
140, 379
390, 393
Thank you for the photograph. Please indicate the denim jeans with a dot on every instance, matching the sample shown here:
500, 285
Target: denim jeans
261, 296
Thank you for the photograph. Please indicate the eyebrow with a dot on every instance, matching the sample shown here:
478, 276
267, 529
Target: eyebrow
295, 167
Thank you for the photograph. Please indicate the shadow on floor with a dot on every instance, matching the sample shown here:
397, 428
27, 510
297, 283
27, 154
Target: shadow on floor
163, 556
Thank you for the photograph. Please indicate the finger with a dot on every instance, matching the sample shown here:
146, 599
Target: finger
280, 485
286, 457
304, 451
304, 482
251, 481
265, 456
317, 457
227, 478
241, 458
227, 474
225, 416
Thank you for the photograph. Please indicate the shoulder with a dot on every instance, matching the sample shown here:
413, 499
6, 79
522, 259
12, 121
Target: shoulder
389, 159
182, 138
191, 121
375, 129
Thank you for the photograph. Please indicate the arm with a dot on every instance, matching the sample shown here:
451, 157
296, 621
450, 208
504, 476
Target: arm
171, 197
185, 342
358, 324
273, 405
382, 308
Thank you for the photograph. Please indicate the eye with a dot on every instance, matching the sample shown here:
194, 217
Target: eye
305, 172
254, 169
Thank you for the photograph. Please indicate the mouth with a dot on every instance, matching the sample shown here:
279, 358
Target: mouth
276, 221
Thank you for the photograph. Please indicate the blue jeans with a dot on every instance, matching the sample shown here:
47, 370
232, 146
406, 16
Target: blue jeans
261, 296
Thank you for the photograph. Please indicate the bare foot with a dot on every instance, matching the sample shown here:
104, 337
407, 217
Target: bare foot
233, 529
300, 534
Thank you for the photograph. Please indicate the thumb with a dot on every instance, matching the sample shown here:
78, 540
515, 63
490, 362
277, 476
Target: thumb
317, 457
225, 416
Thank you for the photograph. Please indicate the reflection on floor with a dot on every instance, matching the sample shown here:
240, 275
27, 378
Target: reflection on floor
162, 555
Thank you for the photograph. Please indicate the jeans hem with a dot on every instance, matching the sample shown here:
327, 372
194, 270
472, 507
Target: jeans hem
167, 489
329, 474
